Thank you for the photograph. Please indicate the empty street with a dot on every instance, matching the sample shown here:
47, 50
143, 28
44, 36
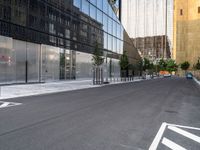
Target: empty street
114, 117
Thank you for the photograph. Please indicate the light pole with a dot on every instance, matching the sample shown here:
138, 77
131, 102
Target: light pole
106, 67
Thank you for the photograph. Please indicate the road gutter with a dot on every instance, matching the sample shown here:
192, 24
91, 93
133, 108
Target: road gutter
197, 81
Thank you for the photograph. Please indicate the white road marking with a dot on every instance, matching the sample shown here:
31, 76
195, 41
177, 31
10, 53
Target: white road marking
158, 137
8, 104
186, 127
170, 144
185, 133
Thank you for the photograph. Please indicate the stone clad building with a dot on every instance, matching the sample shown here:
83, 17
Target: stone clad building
186, 31
153, 47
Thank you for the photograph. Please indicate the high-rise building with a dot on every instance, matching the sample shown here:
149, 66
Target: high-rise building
48, 40
144, 19
186, 31
153, 47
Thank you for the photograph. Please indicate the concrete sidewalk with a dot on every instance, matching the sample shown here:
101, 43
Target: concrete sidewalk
22, 90
13, 91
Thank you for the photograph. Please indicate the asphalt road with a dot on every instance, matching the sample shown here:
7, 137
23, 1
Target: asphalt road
114, 117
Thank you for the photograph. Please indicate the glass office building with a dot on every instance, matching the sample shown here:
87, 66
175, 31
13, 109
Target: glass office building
49, 40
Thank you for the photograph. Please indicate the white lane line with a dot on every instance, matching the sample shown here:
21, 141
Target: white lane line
158, 137
170, 144
185, 133
186, 127
4, 104
8, 104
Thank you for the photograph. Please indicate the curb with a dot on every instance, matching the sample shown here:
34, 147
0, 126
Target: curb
197, 81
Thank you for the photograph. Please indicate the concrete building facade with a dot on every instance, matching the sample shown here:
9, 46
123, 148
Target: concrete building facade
153, 48
186, 31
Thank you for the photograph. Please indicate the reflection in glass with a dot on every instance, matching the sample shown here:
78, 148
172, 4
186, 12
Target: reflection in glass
105, 41
83, 65
105, 6
85, 6
20, 48
77, 3
94, 2
100, 4
92, 12
114, 28
7, 61
50, 63
109, 42
99, 16
33, 52
109, 25
105, 23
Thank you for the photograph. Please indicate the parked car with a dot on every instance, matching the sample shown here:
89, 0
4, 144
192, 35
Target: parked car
167, 75
189, 75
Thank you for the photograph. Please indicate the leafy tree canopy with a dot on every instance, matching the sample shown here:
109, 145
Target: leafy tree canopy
162, 64
197, 65
185, 65
97, 58
146, 64
124, 62
171, 65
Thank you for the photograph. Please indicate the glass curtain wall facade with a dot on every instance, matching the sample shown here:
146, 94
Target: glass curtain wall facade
48, 40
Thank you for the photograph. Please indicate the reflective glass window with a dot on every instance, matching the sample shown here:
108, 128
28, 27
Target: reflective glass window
110, 11
122, 33
118, 31
92, 12
99, 16
121, 47
105, 41
105, 6
105, 23
109, 25
94, 1
77, 3
118, 46
114, 28
109, 42
100, 4
114, 45
85, 6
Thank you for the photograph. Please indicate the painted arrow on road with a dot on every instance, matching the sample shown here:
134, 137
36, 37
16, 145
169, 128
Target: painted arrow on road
8, 104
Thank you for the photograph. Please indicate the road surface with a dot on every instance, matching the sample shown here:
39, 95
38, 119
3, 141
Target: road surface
114, 117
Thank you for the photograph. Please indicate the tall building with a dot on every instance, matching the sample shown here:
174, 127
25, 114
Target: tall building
144, 19
153, 47
49, 40
186, 31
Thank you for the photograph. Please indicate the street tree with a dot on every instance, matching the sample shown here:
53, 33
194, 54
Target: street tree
197, 65
185, 66
124, 64
171, 65
162, 65
146, 64
97, 58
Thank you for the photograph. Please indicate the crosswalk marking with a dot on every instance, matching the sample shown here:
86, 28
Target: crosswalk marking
8, 104
170, 144
156, 140
175, 128
185, 133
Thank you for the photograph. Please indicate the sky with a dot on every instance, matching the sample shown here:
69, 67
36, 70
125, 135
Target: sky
147, 17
